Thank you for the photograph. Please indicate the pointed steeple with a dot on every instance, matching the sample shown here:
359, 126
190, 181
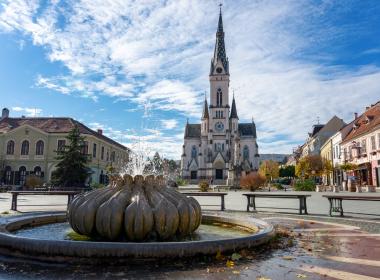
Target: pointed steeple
220, 49
233, 109
205, 114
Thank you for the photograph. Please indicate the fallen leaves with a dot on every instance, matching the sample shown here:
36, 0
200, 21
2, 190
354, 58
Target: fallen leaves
287, 258
235, 257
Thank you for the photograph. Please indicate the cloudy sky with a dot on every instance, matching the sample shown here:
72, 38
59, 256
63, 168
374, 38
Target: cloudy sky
139, 69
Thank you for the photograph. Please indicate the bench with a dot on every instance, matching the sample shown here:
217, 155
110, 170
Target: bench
221, 187
251, 200
210, 194
15, 194
336, 204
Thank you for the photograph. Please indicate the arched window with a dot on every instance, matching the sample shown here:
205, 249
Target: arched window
8, 175
246, 153
22, 173
37, 171
25, 148
40, 148
194, 152
219, 97
10, 147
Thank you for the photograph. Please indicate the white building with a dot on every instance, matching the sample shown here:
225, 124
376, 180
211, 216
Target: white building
219, 147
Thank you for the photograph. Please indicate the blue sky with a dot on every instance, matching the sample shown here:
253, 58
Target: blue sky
140, 68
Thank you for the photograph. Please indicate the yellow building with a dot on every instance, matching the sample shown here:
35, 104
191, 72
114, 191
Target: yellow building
29, 145
327, 155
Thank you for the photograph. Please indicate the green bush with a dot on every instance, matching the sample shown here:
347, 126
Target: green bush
305, 185
97, 186
181, 182
278, 186
204, 186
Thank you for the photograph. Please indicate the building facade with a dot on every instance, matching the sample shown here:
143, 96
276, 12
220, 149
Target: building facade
361, 146
29, 145
327, 156
219, 147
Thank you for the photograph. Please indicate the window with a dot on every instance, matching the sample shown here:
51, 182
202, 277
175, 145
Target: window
94, 150
245, 153
337, 151
193, 152
102, 154
8, 175
37, 171
10, 147
364, 146
61, 145
108, 155
40, 148
221, 114
373, 143
22, 172
85, 147
25, 148
113, 156
219, 100
378, 140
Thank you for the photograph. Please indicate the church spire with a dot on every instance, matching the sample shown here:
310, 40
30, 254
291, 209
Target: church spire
205, 114
220, 50
233, 109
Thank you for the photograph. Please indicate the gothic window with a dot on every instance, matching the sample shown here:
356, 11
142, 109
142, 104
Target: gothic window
221, 114
246, 153
219, 97
10, 147
223, 147
22, 172
40, 148
193, 152
37, 171
25, 148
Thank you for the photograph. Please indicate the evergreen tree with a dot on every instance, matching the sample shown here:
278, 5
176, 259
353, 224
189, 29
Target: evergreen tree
71, 170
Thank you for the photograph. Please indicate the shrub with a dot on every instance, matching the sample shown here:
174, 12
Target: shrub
305, 185
32, 181
278, 186
204, 186
252, 182
181, 182
97, 186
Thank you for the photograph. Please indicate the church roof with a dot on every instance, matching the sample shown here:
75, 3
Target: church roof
220, 49
233, 109
193, 130
205, 114
247, 129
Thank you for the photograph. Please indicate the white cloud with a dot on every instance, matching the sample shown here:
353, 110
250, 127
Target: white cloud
169, 124
29, 112
157, 55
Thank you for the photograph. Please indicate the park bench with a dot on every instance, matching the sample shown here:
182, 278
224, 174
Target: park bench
336, 204
16, 194
210, 194
221, 187
251, 200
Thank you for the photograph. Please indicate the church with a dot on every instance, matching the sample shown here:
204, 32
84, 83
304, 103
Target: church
219, 148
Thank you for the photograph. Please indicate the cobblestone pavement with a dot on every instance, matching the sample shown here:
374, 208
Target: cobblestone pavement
323, 248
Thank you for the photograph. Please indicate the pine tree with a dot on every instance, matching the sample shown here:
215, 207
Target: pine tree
71, 170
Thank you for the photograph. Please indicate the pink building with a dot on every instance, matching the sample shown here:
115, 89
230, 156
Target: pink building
361, 146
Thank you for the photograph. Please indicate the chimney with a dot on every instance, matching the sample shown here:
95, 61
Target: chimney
355, 116
5, 113
366, 108
100, 131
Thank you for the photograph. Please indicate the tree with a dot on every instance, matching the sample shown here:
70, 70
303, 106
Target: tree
287, 171
269, 169
327, 167
308, 166
252, 181
71, 170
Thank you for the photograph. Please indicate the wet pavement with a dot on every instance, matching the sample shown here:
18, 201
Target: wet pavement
318, 248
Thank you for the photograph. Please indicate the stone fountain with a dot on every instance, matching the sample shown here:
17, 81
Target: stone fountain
135, 209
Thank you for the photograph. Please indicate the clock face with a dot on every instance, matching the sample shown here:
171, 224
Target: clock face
219, 70
219, 126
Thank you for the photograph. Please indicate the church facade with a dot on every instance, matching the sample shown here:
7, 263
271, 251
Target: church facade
219, 148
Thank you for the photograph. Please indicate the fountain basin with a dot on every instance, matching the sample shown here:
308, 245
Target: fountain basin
59, 250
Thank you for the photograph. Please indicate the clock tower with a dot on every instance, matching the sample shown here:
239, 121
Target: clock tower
219, 82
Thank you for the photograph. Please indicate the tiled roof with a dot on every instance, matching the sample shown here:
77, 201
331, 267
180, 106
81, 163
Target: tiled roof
193, 130
247, 129
53, 125
365, 123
